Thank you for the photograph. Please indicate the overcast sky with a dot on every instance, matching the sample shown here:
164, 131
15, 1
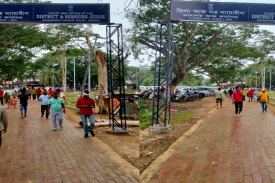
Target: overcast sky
117, 16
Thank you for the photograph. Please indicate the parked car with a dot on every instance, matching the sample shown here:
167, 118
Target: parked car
204, 91
10, 92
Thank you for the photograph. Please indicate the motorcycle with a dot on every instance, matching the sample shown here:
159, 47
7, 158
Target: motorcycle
147, 94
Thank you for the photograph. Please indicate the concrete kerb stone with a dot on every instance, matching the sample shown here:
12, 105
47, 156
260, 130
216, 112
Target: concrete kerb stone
150, 172
117, 131
159, 129
121, 162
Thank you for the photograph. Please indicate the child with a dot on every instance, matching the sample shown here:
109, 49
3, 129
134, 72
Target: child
14, 101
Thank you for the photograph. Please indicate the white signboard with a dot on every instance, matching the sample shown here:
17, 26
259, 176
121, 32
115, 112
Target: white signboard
8, 82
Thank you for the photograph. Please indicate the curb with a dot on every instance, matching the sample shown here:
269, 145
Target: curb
150, 172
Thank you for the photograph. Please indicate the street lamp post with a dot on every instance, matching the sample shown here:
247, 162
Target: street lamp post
53, 78
74, 74
136, 80
89, 80
65, 81
89, 72
264, 78
53, 73
270, 80
256, 79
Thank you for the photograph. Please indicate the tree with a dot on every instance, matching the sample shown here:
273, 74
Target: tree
43, 69
222, 70
192, 80
131, 73
195, 43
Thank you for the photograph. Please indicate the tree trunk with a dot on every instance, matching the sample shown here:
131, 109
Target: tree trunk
100, 60
102, 79
176, 81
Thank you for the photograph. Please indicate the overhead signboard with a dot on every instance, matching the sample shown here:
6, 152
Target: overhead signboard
8, 82
215, 12
55, 13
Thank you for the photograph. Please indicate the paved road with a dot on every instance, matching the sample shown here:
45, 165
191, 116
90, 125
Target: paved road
32, 152
226, 149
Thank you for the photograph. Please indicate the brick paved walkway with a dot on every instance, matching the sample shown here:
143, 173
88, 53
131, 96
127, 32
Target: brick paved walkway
226, 149
32, 152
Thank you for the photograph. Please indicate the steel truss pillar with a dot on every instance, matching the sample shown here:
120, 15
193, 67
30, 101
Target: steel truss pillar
115, 67
163, 73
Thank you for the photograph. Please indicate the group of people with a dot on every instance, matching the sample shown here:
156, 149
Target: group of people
53, 102
36, 92
238, 97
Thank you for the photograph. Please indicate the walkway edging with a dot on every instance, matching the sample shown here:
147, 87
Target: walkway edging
155, 166
127, 167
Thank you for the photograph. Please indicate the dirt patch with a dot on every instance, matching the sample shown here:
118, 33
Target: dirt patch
127, 146
152, 146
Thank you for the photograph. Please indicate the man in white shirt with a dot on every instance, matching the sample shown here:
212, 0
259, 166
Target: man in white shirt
44, 103
219, 97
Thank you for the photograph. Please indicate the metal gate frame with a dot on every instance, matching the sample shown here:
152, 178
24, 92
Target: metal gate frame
115, 69
163, 73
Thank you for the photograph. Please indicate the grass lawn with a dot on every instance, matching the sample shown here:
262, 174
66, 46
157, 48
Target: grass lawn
145, 116
271, 95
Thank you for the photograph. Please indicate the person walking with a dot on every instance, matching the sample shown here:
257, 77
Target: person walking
250, 93
14, 102
50, 92
219, 97
38, 92
86, 105
3, 122
56, 105
244, 94
44, 103
254, 95
258, 95
7, 100
1, 96
61, 95
33, 92
230, 93
23, 102
28, 92
238, 101
264, 99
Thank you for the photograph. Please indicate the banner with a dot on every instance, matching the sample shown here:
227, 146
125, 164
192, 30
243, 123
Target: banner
222, 12
55, 13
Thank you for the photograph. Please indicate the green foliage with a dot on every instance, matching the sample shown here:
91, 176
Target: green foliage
145, 125
192, 80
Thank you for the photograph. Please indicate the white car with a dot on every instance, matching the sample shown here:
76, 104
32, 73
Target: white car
16, 89
10, 92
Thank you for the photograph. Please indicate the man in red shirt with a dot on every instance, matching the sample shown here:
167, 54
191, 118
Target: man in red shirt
38, 93
86, 105
251, 93
50, 92
238, 100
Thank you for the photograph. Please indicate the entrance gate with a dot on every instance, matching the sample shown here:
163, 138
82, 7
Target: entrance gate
94, 13
196, 11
